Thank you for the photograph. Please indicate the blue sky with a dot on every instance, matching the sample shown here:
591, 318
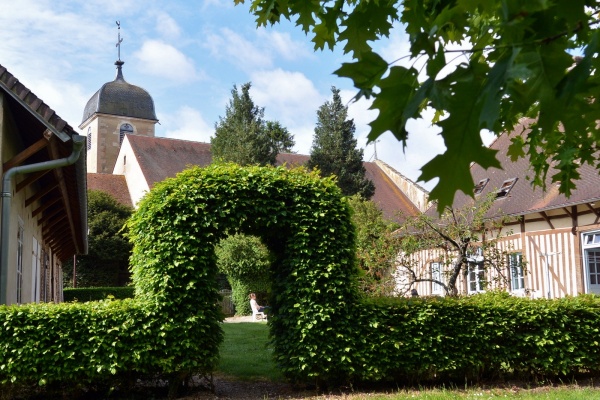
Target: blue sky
188, 55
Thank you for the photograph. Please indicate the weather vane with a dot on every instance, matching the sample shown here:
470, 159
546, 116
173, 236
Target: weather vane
118, 45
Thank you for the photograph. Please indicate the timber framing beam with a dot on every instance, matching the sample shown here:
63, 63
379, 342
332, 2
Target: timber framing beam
45, 206
30, 179
39, 195
596, 212
25, 154
547, 219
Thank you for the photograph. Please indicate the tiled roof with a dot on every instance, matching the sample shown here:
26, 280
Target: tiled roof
523, 198
160, 158
113, 184
32, 118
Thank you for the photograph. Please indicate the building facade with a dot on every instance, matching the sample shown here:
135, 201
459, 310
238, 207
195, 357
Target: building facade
44, 202
557, 237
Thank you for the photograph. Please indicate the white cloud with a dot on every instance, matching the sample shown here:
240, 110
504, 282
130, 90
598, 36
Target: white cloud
396, 47
287, 95
292, 99
163, 60
167, 26
282, 44
187, 123
240, 51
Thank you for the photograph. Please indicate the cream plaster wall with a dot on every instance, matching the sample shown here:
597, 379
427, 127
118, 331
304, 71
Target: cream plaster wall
128, 166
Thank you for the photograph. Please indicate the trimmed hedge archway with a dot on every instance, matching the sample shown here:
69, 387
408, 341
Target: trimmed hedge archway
305, 222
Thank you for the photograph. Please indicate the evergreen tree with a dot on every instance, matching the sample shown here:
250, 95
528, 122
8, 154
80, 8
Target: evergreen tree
334, 149
244, 137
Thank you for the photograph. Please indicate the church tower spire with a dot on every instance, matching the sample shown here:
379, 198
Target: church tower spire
119, 63
117, 109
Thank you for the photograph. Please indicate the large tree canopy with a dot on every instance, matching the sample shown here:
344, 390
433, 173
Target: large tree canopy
482, 64
244, 137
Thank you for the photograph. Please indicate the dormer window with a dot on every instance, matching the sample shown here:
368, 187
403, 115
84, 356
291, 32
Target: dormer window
481, 185
507, 185
125, 129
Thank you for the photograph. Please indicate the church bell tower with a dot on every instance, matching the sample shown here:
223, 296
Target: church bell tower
117, 109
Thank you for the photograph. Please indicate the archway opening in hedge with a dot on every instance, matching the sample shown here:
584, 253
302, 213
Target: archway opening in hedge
305, 222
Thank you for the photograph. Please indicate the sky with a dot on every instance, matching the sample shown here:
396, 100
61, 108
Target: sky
189, 54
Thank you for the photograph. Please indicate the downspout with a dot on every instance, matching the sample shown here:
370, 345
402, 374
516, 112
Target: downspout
78, 142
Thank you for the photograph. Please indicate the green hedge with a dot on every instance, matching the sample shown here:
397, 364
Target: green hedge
320, 329
97, 293
489, 335
304, 221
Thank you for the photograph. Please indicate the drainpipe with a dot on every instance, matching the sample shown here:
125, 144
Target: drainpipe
78, 142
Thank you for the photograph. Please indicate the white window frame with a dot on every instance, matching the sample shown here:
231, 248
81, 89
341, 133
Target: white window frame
35, 271
590, 244
20, 239
515, 269
437, 273
476, 276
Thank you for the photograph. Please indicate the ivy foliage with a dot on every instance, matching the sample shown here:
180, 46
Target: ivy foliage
246, 262
478, 65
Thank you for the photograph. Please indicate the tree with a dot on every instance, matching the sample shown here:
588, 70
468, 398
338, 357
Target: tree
376, 247
244, 137
481, 65
107, 261
460, 239
334, 149
245, 260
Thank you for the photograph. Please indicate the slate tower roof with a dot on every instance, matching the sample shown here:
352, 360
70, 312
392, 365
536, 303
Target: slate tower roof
120, 98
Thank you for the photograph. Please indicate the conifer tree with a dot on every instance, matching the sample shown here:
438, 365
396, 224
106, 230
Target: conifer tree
244, 137
334, 149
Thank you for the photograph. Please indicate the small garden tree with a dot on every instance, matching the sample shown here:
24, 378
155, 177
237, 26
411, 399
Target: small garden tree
245, 260
462, 240
376, 246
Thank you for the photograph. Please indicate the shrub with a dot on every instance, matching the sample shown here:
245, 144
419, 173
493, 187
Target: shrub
97, 293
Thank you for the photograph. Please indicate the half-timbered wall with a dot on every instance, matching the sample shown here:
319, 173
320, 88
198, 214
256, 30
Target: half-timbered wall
559, 262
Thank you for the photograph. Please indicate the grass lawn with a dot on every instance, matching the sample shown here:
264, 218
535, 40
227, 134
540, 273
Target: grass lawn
246, 356
245, 353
